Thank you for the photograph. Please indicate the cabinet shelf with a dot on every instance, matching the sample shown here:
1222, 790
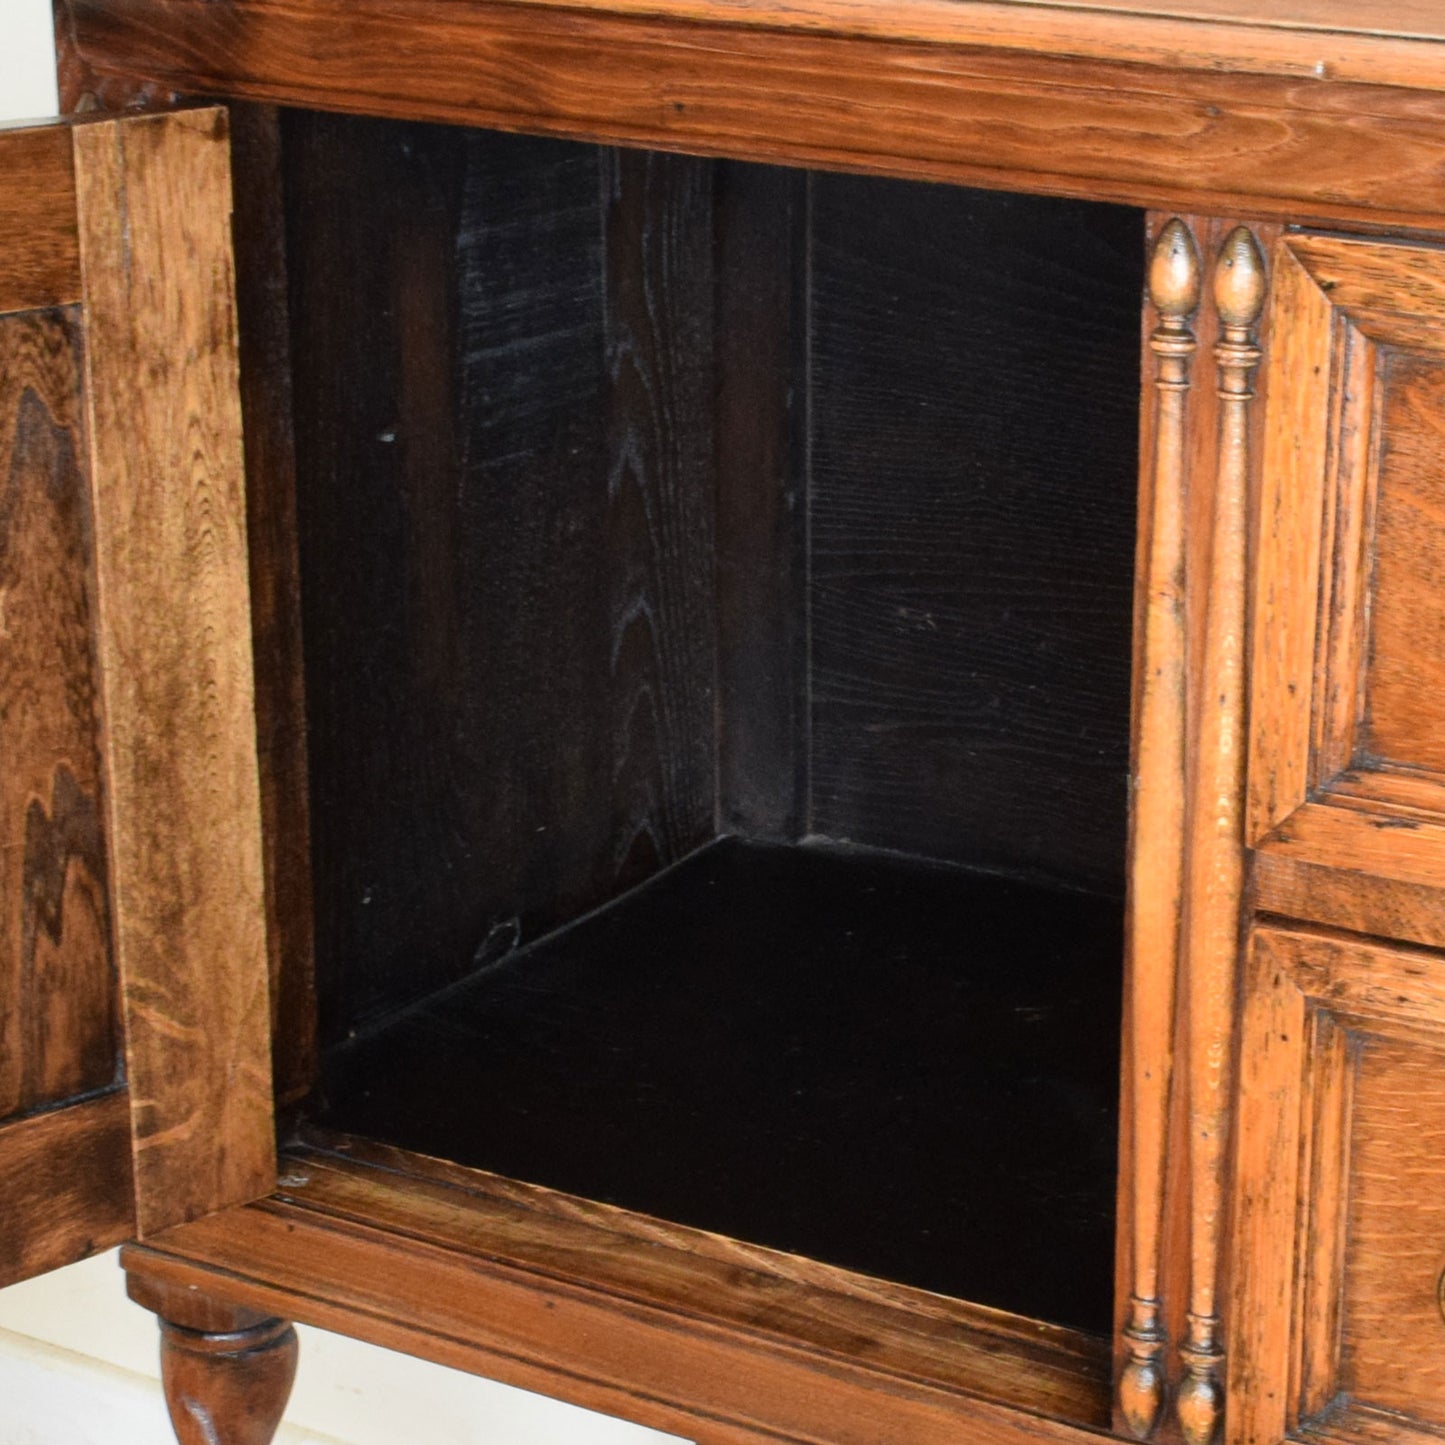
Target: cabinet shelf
905, 1069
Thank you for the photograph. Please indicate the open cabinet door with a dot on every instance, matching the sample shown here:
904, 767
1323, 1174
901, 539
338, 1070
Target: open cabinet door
135, 1073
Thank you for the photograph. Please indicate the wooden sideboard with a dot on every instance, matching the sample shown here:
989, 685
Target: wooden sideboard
642, 639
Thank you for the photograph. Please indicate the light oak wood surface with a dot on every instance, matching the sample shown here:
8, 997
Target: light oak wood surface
1277, 1213
1158, 112
1215, 829
1157, 823
675, 1329
1390, 45
1338, 1262
175, 647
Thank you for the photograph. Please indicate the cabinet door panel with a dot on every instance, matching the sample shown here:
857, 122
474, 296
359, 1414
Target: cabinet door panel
59, 1030
1404, 644
1392, 1330
1347, 764
1339, 1200
134, 1014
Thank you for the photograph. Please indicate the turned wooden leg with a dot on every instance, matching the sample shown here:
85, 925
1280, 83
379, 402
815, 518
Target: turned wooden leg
227, 1371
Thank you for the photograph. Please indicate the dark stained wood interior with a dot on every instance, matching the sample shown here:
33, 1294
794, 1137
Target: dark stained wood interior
974, 382
503, 393
643, 500
906, 1069
762, 499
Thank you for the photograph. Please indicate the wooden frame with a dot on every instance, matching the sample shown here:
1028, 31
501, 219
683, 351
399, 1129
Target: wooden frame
720, 1342
140, 1093
1353, 832
1302, 117
1309, 999
174, 637
1154, 110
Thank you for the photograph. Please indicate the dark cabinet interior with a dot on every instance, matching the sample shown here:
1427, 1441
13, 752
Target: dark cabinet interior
718, 588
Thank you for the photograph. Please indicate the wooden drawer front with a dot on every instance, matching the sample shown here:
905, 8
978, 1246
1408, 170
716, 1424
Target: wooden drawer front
1347, 764
1339, 1192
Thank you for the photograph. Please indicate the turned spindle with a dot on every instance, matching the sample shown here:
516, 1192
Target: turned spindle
1157, 825
1216, 871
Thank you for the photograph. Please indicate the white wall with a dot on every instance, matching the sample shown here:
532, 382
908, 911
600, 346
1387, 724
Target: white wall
78, 1360
27, 60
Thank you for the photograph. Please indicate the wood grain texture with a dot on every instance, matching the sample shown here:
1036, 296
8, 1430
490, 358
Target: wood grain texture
1328, 1102
1391, 1323
175, 645
1355, 864
230, 1387
1349, 631
1290, 546
191, 1308
658, 237
1265, 1198
67, 1185
83, 90
681, 1331
1056, 1371
1345, 772
1414, 18
762, 221
930, 89
59, 1034
1236, 35
1405, 659
1327, 881
1337, 1223
727, 1045
1215, 876
1203, 422
1157, 817
266, 409
38, 236
974, 378
505, 503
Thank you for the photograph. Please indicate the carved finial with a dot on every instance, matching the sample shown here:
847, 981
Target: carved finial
1175, 273
1239, 280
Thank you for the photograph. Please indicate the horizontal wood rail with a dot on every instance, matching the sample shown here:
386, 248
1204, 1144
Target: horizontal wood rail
67, 1184
1184, 107
723, 1343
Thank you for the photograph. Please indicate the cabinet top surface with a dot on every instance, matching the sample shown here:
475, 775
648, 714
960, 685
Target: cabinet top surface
1226, 33
1313, 109
1395, 43
1097, 19
1414, 19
